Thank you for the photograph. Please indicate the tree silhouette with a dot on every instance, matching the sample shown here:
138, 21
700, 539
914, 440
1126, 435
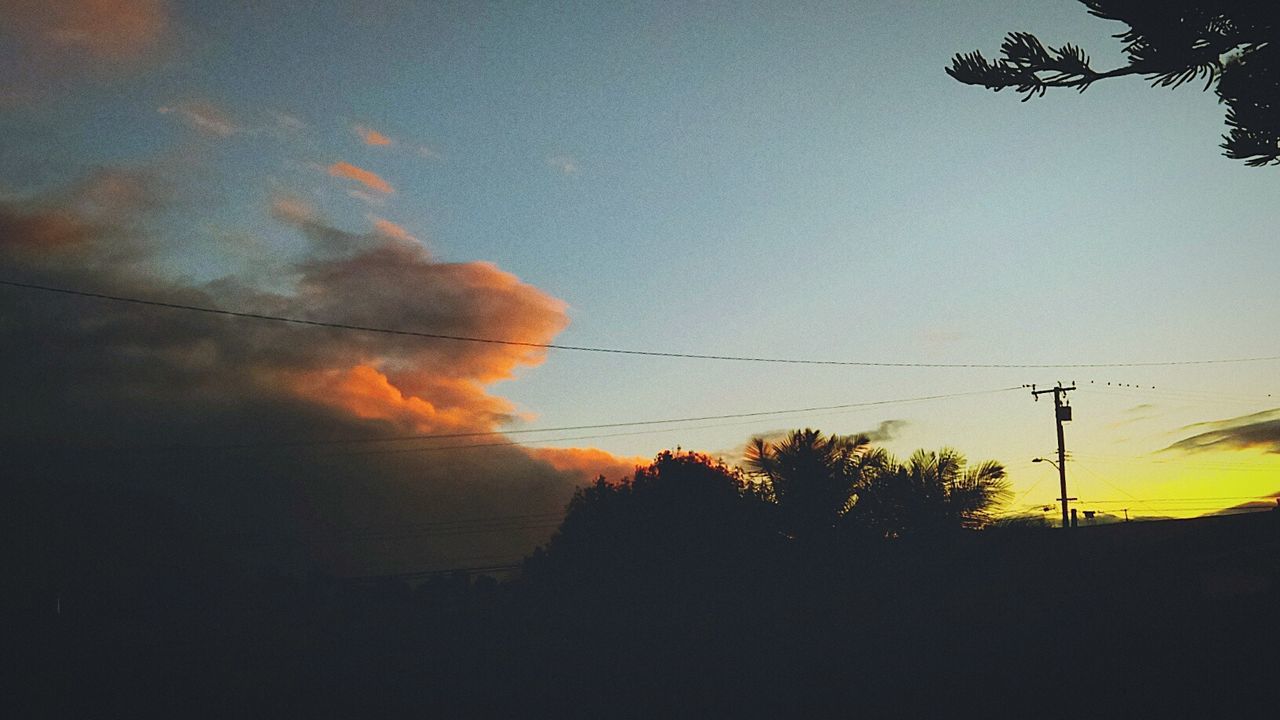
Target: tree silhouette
931, 492
813, 477
684, 510
1170, 42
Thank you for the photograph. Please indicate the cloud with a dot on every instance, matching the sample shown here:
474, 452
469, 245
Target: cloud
388, 229
365, 392
367, 198
1266, 502
293, 210
203, 116
1137, 414
589, 463
371, 137
885, 431
287, 121
1259, 431
102, 208
360, 175
564, 164
102, 30
208, 412
52, 46
428, 153
941, 338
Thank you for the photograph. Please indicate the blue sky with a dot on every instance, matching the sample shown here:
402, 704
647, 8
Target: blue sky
796, 179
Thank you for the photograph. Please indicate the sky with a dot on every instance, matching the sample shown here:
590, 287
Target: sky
797, 180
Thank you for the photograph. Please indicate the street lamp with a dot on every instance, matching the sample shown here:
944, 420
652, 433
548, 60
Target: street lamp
1064, 499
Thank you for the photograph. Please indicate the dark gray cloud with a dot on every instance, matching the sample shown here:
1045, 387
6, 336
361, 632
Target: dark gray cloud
1258, 431
885, 431
163, 401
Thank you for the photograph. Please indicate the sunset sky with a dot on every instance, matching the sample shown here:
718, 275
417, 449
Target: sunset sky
785, 180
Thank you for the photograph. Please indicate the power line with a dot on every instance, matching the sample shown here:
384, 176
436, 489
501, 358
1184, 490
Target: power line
1179, 462
474, 446
665, 421
631, 433
1150, 393
608, 350
1248, 498
1110, 484
563, 428
1160, 388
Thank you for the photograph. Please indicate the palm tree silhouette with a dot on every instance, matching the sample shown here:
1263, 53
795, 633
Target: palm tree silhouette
931, 492
813, 477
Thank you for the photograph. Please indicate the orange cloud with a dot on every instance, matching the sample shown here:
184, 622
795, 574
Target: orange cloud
589, 463
371, 136
376, 278
101, 29
360, 175
171, 379
386, 228
125, 375
366, 393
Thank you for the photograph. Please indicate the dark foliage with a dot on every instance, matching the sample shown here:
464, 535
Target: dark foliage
812, 477
672, 594
683, 513
930, 493
1170, 42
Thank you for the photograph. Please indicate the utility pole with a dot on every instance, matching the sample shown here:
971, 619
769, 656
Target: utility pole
1061, 414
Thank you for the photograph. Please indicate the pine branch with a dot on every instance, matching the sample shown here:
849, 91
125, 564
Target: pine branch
1235, 43
1030, 67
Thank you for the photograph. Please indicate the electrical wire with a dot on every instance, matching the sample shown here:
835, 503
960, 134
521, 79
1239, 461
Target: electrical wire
1162, 388
1249, 498
633, 423
607, 350
1152, 394
827, 409
1174, 460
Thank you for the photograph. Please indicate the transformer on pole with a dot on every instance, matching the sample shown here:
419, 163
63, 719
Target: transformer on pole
1061, 414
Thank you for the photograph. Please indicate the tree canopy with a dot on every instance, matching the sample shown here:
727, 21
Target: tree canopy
931, 492
812, 476
1170, 42
684, 508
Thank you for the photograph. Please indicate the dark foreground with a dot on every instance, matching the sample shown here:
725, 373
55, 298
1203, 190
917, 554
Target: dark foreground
1171, 619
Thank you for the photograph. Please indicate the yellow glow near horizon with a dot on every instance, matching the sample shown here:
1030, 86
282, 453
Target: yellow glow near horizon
1178, 486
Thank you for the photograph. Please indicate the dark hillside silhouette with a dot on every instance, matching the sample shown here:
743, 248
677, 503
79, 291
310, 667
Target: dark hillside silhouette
677, 592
